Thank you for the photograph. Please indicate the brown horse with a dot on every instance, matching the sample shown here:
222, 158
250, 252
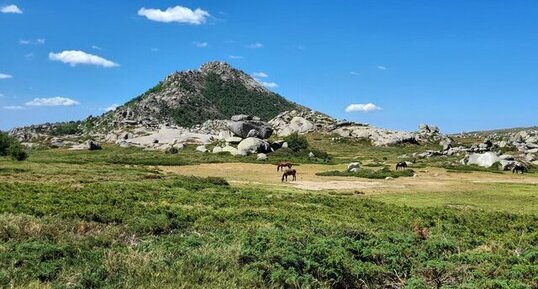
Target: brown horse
289, 172
282, 165
401, 165
519, 169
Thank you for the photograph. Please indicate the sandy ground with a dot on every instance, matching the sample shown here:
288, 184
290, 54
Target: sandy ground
426, 180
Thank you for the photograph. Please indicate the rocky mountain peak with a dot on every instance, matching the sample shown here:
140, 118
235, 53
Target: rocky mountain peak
219, 67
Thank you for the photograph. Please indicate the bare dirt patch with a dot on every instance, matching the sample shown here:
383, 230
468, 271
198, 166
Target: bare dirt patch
427, 180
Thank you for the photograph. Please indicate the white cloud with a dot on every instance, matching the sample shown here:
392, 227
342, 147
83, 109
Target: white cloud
111, 108
362, 107
38, 41
381, 67
269, 84
29, 56
255, 45
11, 9
235, 57
96, 47
75, 57
13, 107
260, 74
178, 14
200, 44
5, 76
353, 73
52, 101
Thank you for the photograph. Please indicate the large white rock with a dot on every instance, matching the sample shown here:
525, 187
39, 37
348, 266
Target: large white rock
233, 151
171, 136
296, 125
484, 160
353, 167
254, 145
217, 150
201, 148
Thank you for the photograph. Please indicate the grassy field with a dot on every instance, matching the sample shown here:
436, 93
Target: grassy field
135, 219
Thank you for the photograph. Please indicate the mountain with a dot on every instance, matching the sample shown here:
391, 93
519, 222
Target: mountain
187, 98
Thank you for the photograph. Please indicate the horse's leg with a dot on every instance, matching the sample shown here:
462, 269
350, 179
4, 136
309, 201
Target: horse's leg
295, 176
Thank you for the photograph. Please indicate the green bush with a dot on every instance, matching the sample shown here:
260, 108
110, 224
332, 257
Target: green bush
69, 128
17, 152
296, 142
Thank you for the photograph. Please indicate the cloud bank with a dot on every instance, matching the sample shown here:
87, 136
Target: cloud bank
52, 101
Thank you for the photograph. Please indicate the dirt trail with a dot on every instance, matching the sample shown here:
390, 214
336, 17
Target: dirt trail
427, 180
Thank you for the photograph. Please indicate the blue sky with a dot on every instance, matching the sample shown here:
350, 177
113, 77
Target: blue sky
462, 65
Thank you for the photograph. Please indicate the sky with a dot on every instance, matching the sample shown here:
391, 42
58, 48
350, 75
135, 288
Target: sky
463, 65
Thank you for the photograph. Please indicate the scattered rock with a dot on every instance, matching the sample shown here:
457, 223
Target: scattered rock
88, 145
201, 148
261, 157
241, 117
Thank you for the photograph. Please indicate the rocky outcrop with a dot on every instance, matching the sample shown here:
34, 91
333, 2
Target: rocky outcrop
377, 136
300, 121
250, 128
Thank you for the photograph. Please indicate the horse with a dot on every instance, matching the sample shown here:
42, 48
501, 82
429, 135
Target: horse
289, 172
519, 168
401, 165
282, 165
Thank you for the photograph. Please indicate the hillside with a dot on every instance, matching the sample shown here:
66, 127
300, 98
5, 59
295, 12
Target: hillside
187, 98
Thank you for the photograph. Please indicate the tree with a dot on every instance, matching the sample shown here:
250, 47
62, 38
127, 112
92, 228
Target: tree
5, 142
17, 151
12, 147
296, 142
